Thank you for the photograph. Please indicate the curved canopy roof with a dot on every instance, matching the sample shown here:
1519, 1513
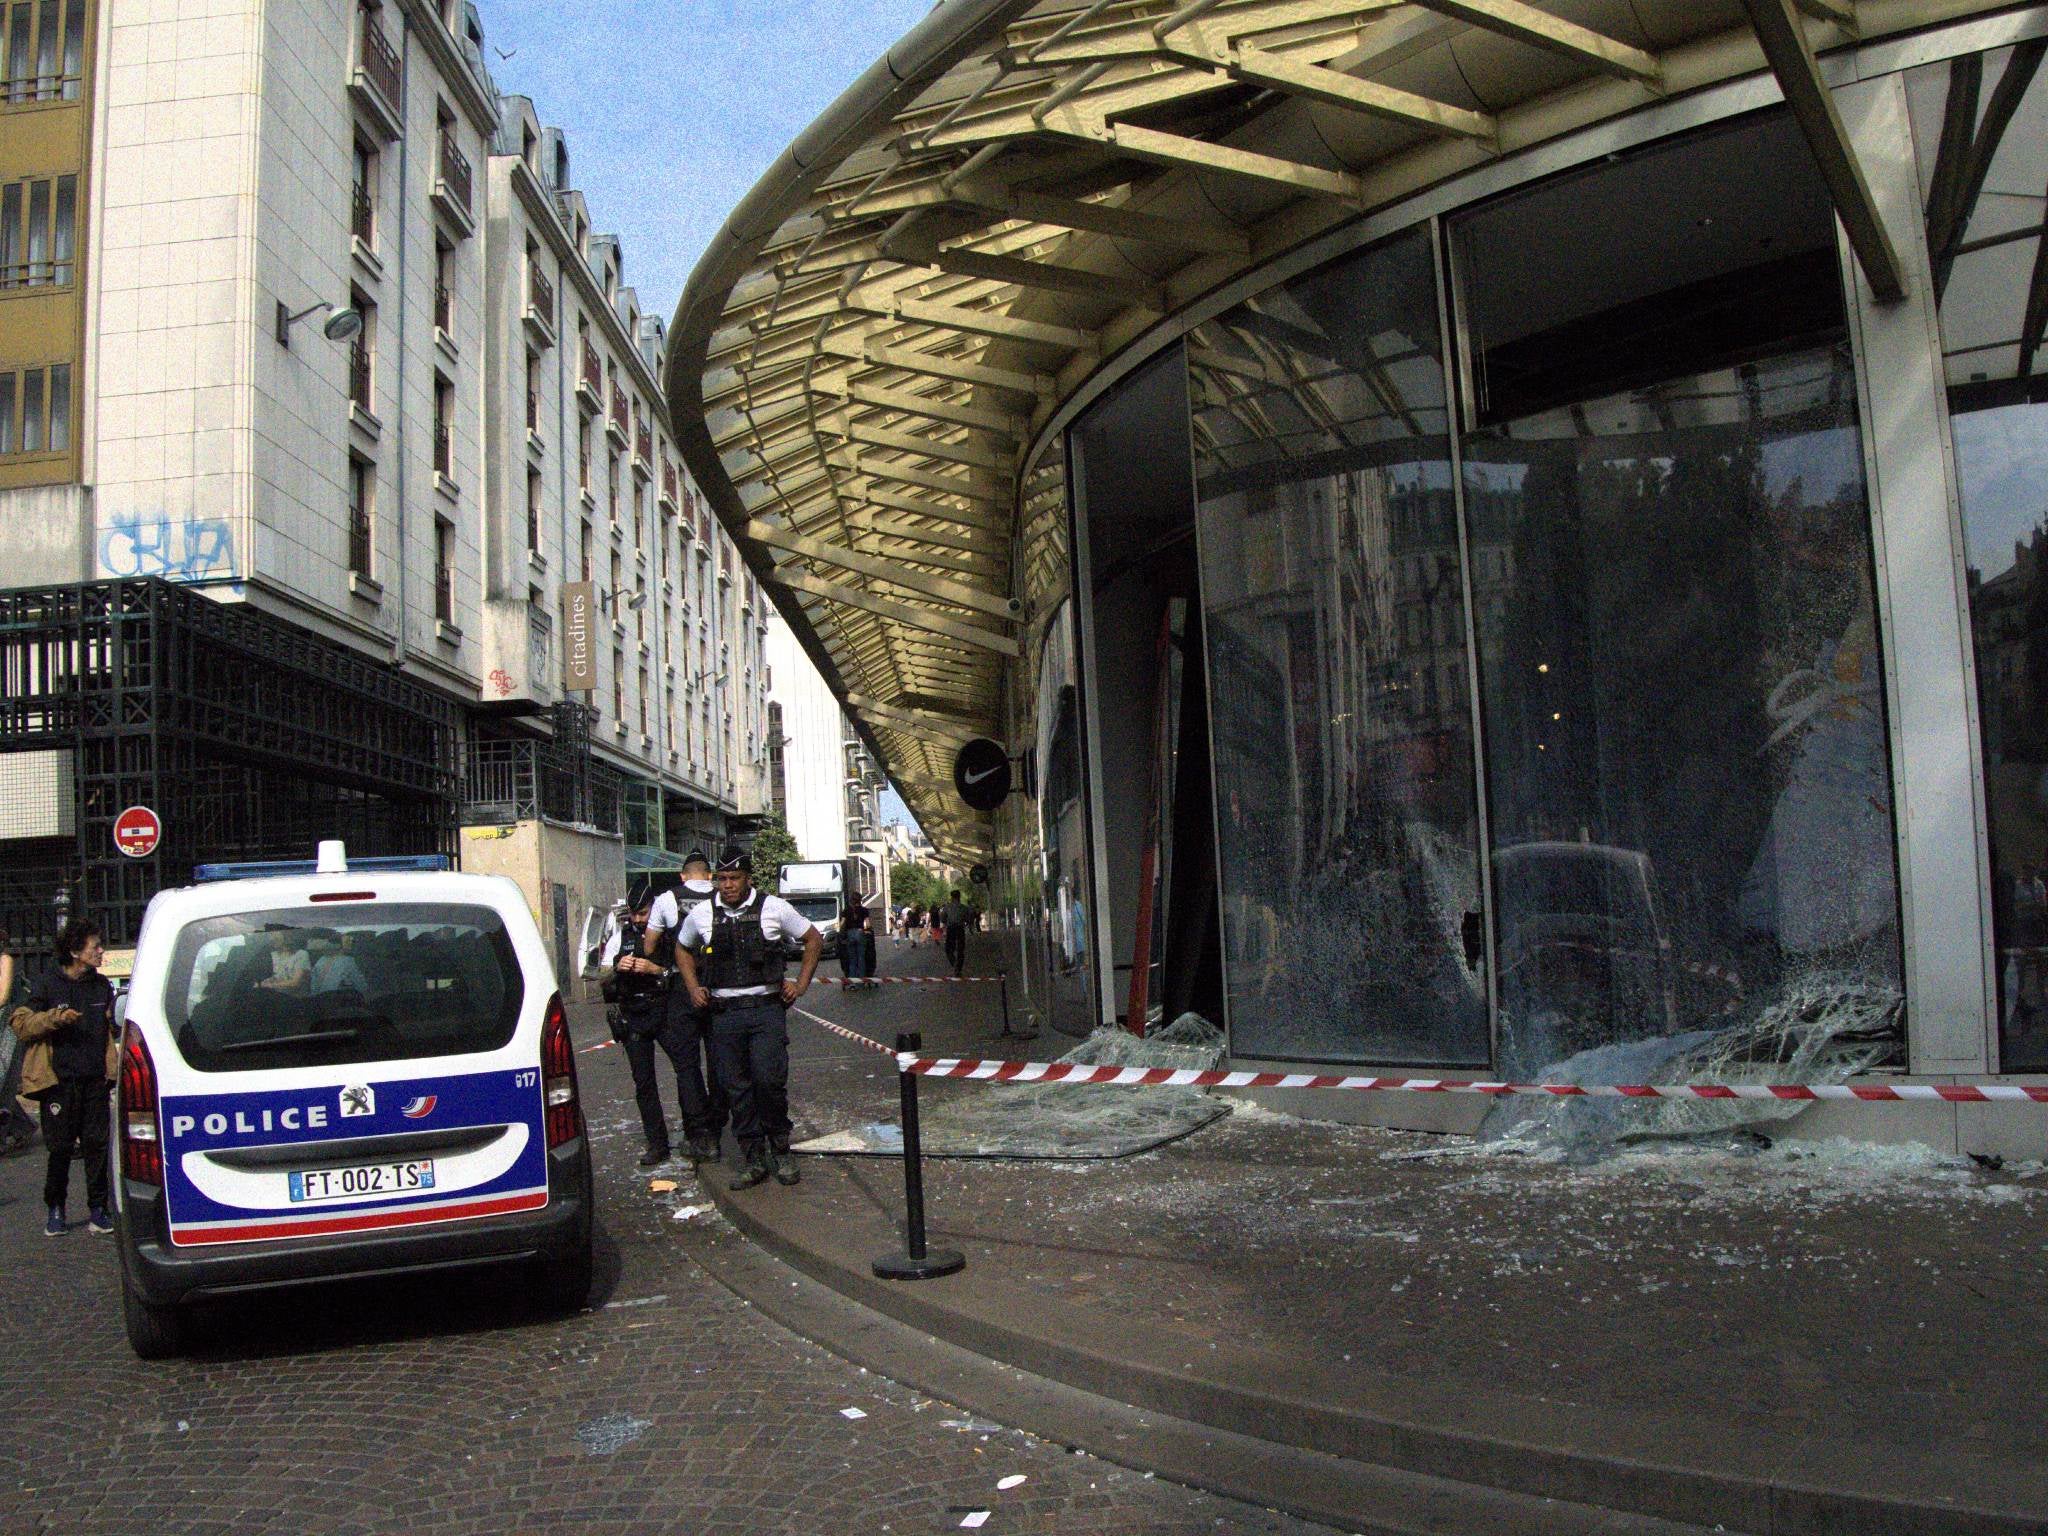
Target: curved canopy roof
1021, 188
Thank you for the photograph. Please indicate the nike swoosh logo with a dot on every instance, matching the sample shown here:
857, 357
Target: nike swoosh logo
976, 778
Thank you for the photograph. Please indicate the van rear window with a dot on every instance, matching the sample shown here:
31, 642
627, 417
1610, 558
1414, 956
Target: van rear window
376, 981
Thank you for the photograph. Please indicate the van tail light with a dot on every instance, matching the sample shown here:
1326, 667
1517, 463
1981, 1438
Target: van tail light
558, 1076
142, 1155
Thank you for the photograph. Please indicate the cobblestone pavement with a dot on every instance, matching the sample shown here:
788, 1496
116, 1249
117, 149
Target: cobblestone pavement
450, 1407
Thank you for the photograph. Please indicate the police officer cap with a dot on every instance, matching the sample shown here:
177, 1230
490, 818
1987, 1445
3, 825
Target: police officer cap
736, 861
695, 856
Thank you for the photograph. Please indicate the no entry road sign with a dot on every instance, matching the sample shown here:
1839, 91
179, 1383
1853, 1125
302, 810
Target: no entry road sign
137, 831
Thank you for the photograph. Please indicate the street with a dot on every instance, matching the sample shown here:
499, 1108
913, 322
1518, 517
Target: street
448, 1406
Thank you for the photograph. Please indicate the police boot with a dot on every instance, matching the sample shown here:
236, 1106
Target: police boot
782, 1162
754, 1171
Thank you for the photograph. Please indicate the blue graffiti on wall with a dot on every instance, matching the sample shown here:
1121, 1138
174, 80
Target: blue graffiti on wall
177, 549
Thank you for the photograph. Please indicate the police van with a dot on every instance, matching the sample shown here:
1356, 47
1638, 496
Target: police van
330, 1071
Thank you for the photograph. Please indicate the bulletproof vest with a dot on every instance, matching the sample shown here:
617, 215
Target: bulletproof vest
637, 987
740, 954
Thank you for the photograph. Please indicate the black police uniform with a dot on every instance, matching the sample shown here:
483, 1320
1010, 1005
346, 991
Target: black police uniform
645, 1021
749, 1034
705, 1110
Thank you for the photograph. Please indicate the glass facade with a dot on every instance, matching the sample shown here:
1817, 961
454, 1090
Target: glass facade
1335, 606
1534, 593
1980, 129
1685, 745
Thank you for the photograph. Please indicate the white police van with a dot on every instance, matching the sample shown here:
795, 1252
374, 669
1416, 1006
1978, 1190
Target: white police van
331, 1071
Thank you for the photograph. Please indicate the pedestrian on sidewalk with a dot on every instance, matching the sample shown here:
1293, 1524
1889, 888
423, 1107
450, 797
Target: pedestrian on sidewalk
705, 1109
856, 947
67, 1024
956, 917
730, 950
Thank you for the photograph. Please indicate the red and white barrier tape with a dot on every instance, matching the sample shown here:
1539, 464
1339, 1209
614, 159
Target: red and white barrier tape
1161, 1077
898, 981
851, 1034
602, 1045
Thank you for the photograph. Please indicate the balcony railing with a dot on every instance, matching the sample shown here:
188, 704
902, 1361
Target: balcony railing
359, 541
643, 446
508, 781
621, 419
362, 215
359, 373
668, 482
540, 296
444, 450
456, 183
380, 64
593, 371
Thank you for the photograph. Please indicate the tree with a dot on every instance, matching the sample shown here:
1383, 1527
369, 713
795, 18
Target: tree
772, 848
912, 885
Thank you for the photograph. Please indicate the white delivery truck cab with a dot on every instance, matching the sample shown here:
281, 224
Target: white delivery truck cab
820, 889
331, 1071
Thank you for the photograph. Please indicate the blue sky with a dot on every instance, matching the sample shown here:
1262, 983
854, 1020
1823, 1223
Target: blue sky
674, 108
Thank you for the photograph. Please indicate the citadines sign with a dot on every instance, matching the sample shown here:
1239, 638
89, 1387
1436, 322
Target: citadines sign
579, 625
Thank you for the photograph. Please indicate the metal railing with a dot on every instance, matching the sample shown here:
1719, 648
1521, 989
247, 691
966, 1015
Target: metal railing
359, 372
621, 414
668, 482
508, 781
444, 449
444, 309
362, 220
359, 540
455, 174
643, 444
380, 63
540, 295
593, 370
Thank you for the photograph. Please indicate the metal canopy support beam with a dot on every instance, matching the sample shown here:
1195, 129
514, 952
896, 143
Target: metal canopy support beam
879, 569
1178, 150
1528, 24
1107, 219
900, 612
916, 721
1783, 36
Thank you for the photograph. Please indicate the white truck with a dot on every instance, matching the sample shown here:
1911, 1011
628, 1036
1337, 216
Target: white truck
820, 889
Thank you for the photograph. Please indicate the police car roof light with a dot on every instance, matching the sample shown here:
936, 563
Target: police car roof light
271, 869
331, 858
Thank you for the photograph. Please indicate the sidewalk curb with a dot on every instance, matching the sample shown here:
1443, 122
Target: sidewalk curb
1628, 1487
1344, 1493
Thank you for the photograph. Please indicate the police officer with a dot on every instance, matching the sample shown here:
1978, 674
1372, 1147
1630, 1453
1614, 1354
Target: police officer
638, 988
704, 1103
730, 951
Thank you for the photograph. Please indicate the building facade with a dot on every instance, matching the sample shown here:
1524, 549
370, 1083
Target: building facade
1500, 538
321, 333
829, 784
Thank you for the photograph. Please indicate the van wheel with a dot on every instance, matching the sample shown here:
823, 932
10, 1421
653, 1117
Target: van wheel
563, 1282
154, 1333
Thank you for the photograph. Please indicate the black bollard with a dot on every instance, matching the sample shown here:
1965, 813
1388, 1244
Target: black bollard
1004, 978
915, 1263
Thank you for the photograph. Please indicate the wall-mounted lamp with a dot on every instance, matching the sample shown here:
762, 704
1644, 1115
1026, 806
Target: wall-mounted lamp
339, 326
633, 604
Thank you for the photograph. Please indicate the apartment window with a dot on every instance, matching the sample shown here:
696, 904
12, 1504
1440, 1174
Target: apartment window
618, 583
643, 700
42, 52
528, 145
362, 352
584, 546
532, 393
533, 511
444, 287
612, 484
362, 489
639, 512
444, 570
35, 410
663, 542
38, 232
640, 616
444, 427
618, 685
362, 221
583, 455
